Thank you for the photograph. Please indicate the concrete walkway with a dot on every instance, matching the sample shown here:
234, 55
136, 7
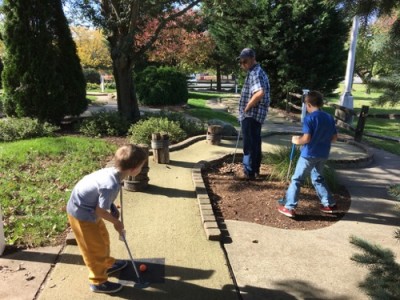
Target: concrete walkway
164, 222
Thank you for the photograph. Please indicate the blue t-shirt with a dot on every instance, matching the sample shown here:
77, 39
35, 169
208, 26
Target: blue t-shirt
321, 127
98, 188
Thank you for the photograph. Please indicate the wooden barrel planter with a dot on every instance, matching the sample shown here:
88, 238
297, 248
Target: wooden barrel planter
160, 146
214, 134
139, 182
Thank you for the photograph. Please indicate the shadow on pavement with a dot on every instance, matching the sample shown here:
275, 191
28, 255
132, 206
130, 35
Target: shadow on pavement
170, 192
302, 289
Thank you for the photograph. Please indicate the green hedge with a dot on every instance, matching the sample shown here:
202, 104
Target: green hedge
104, 123
140, 133
161, 86
13, 129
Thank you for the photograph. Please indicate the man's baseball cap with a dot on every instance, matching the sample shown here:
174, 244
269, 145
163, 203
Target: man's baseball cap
246, 53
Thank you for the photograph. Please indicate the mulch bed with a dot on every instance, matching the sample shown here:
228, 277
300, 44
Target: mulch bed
256, 201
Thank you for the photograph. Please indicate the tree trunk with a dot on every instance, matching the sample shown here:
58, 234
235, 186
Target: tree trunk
218, 78
126, 96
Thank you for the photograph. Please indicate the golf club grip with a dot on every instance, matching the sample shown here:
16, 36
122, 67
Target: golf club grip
292, 152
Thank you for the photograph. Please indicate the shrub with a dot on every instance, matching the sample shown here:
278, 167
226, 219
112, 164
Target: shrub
280, 160
92, 86
394, 191
190, 127
104, 123
140, 133
13, 129
91, 75
161, 86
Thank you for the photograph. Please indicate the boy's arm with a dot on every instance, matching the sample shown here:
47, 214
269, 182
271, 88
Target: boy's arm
301, 140
102, 213
334, 138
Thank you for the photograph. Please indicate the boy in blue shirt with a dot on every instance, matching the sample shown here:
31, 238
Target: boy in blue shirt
90, 202
319, 131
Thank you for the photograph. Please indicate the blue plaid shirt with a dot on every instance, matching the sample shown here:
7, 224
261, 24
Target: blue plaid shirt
256, 80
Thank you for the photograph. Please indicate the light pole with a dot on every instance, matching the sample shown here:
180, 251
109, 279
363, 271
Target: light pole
346, 99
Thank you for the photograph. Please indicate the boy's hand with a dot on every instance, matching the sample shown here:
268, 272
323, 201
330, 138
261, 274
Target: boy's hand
119, 227
295, 140
114, 211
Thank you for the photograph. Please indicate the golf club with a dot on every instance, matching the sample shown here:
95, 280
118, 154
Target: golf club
140, 283
236, 147
291, 159
120, 203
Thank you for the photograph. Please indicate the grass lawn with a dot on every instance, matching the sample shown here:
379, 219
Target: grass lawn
198, 100
384, 127
36, 179
362, 98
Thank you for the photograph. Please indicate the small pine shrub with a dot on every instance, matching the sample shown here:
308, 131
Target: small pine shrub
280, 161
140, 133
104, 123
161, 86
394, 191
13, 129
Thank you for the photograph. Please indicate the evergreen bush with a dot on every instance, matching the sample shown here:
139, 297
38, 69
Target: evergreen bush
91, 75
42, 76
13, 129
161, 86
104, 123
140, 133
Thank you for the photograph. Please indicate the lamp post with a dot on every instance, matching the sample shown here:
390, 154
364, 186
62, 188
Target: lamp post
346, 99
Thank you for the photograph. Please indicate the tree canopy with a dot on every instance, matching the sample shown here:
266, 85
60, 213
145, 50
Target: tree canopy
124, 23
299, 43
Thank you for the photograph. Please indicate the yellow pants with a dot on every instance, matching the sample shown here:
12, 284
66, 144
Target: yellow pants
94, 243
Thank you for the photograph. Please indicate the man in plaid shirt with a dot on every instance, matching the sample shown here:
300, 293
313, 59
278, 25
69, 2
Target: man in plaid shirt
253, 108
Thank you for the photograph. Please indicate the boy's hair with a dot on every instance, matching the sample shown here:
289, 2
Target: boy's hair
315, 98
129, 156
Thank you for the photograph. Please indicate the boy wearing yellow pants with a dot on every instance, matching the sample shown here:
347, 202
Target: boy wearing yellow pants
90, 202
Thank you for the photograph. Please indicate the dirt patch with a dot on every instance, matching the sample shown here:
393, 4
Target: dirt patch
256, 201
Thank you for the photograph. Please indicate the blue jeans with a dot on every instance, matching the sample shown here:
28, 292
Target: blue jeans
303, 168
251, 133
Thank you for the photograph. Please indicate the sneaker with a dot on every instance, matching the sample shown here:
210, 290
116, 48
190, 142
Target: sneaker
241, 175
106, 287
329, 209
287, 212
118, 265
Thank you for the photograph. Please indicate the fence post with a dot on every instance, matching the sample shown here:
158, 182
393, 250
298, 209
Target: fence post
303, 105
102, 83
210, 85
2, 239
361, 123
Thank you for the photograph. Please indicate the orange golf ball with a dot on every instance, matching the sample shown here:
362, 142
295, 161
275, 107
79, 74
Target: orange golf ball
143, 268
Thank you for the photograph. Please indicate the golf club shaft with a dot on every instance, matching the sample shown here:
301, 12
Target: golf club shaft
237, 144
290, 162
121, 204
131, 257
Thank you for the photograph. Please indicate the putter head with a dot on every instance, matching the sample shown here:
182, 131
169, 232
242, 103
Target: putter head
141, 285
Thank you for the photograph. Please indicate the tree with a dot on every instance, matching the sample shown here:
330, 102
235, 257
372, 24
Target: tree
299, 43
124, 22
92, 47
42, 76
183, 43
